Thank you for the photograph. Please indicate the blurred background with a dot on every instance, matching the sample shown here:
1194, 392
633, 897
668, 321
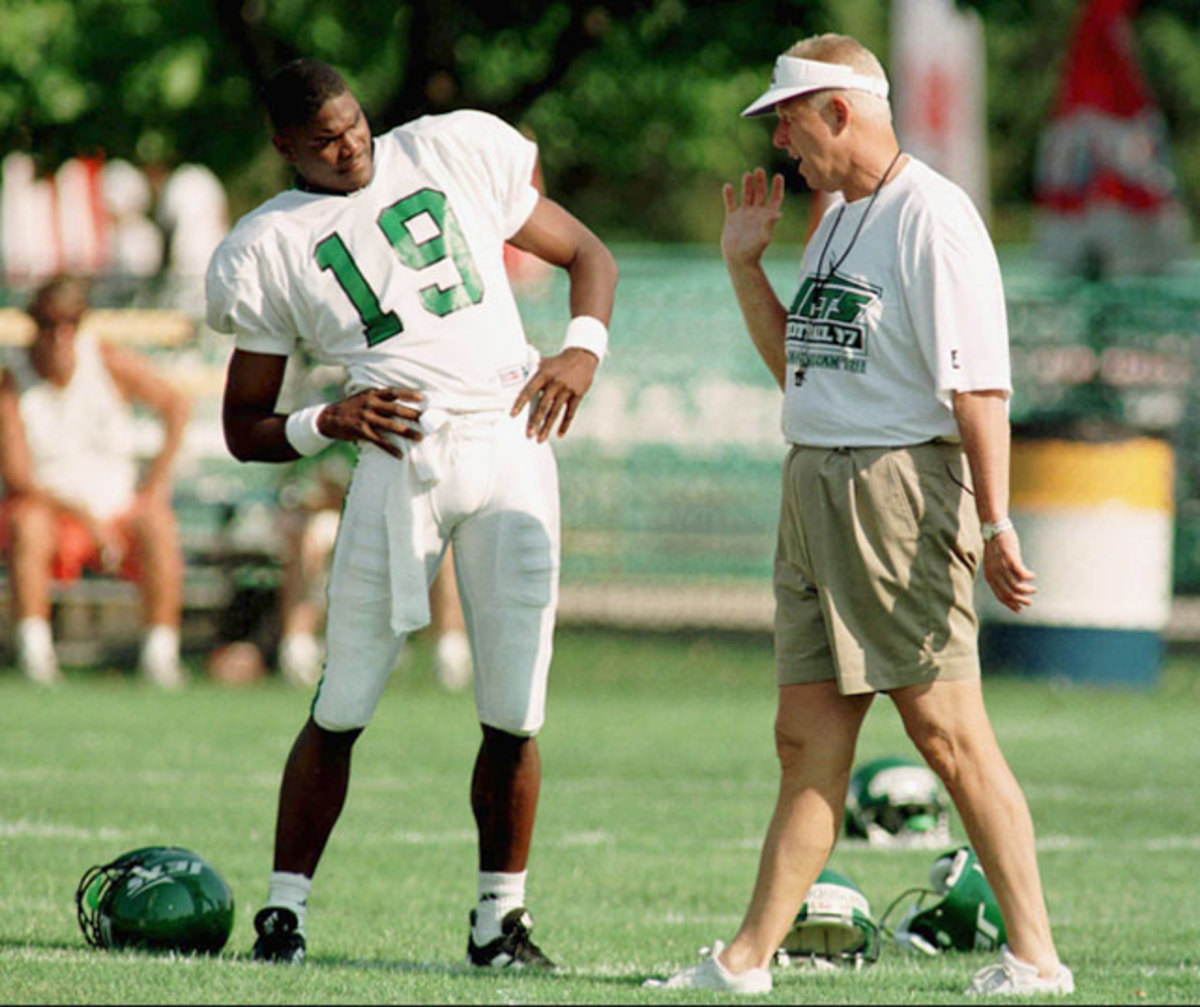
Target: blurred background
132, 139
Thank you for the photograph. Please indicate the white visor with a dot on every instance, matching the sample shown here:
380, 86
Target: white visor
794, 77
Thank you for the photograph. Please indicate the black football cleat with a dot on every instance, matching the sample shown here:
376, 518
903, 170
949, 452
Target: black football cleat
278, 939
513, 949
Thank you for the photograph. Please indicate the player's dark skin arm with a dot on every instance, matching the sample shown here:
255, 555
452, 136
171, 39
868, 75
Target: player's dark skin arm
553, 234
317, 773
255, 432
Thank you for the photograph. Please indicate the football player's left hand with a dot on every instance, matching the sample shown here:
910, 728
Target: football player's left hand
555, 391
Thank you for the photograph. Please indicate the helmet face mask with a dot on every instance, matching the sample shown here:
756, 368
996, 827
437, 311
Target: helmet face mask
833, 927
158, 898
965, 917
895, 802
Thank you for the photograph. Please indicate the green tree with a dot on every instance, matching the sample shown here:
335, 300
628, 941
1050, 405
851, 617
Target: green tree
634, 102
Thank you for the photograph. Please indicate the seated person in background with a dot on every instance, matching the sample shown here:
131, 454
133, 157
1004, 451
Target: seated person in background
72, 493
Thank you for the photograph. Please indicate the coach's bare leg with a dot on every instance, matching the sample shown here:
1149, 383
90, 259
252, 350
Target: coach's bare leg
160, 559
504, 797
311, 797
33, 528
816, 729
948, 723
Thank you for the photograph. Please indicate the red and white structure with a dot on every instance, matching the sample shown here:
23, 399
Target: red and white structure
938, 70
1105, 188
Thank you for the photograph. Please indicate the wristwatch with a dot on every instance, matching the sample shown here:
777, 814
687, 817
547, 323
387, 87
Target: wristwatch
991, 529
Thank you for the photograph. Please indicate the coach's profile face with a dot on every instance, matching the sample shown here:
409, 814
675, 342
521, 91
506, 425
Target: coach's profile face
332, 150
805, 133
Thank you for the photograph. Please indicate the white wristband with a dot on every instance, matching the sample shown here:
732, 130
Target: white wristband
991, 529
302, 432
587, 333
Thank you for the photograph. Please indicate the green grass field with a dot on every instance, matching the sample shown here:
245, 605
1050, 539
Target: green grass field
659, 779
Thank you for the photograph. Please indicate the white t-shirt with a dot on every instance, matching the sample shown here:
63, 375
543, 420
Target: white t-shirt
914, 312
80, 437
403, 281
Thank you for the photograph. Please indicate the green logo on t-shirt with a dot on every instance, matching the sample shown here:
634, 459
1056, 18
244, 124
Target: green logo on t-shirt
826, 324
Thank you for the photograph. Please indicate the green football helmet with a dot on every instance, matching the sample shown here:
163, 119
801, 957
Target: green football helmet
895, 802
158, 898
965, 917
833, 927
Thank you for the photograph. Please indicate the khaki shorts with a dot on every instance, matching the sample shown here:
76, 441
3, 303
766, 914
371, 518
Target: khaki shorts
875, 568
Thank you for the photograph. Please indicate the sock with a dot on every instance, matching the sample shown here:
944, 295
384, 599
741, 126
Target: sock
291, 892
33, 633
452, 660
300, 658
499, 894
161, 643
35, 650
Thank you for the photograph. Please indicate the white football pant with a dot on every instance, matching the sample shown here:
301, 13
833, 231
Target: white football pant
481, 483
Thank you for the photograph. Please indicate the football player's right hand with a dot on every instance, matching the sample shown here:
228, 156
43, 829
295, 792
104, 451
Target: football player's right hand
380, 416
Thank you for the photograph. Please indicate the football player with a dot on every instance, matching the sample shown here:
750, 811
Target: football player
387, 257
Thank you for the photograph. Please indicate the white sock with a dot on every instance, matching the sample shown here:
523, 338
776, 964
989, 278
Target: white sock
35, 650
291, 892
161, 643
160, 656
499, 894
33, 633
300, 658
452, 660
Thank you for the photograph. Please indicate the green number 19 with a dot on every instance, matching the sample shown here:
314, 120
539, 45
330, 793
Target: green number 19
448, 242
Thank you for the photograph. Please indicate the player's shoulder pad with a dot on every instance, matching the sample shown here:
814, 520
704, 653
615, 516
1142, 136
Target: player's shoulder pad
460, 122
466, 130
265, 218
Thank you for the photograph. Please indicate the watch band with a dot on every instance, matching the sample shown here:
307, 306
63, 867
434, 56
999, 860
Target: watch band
991, 529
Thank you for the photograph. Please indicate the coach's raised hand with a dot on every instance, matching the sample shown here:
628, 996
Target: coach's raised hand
749, 227
750, 223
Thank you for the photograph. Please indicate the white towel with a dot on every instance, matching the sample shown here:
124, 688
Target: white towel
421, 468
428, 456
406, 553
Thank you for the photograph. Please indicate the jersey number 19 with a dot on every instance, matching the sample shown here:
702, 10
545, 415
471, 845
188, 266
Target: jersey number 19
331, 253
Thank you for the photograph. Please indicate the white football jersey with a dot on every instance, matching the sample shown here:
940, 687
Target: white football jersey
402, 282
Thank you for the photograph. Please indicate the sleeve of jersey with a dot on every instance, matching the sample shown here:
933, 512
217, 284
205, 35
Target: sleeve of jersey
507, 157
956, 301
245, 299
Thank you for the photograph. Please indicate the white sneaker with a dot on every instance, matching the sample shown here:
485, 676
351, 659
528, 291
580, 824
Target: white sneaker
1013, 977
452, 661
35, 652
710, 974
300, 659
159, 662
